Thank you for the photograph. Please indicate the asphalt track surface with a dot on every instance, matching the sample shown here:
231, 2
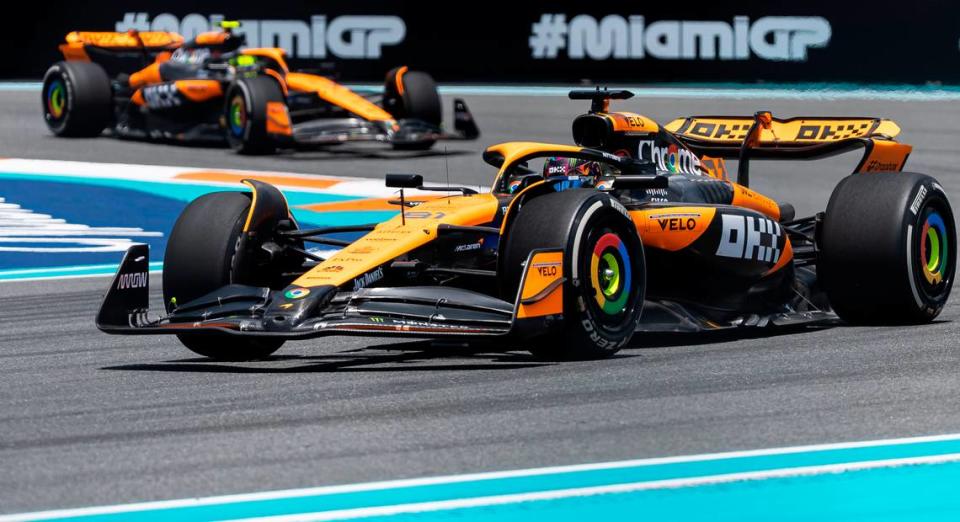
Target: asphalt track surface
89, 419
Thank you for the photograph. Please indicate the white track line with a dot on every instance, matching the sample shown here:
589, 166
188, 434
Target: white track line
453, 479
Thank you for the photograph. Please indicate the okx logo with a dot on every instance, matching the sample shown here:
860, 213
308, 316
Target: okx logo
341, 37
750, 237
779, 38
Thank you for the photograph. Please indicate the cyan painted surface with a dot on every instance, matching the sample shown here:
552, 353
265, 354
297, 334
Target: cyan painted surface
911, 492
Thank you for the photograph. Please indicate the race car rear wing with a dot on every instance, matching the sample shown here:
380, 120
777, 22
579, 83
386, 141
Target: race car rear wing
804, 137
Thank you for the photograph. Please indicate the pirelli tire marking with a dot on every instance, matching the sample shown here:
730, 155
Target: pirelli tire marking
750, 237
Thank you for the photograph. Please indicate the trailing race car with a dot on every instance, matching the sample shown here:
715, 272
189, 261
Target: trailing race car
210, 89
638, 228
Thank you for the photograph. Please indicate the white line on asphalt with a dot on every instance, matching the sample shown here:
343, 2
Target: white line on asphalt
452, 479
443, 505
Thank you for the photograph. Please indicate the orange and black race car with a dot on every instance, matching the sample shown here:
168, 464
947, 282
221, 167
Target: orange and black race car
638, 228
156, 85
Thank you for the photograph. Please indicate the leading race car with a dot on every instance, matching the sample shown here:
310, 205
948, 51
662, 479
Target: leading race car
211, 89
575, 249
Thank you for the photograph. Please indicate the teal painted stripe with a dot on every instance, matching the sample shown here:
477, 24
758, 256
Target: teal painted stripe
909, 493
467, 488
179, 191
66, 271
187, 192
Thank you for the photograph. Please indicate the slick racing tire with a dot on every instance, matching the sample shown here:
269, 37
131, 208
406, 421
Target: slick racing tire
413, 95
245, 111
888, 248
603, 265
201, 257
77, 99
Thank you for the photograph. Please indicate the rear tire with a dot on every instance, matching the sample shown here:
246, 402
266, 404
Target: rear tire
245, 110
77, 99
413, 95
201, 257
603, 263
888, 248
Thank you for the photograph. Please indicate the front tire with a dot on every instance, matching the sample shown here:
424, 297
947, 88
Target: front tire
604, 264
413, 95
246, 114
202, 256
77, 99
888, 248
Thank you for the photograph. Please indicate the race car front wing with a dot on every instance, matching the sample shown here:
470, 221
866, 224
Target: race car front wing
416, 311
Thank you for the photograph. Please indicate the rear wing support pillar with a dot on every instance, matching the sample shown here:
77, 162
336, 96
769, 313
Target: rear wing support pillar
761, 120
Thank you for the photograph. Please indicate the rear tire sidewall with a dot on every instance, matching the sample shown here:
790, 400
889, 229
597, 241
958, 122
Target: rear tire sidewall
202, 256
247, 100
85, 99
872, 245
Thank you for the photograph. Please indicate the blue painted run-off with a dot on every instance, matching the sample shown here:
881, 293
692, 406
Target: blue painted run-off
104, 204
898, 480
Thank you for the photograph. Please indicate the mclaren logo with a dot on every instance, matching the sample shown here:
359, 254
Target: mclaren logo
135, 280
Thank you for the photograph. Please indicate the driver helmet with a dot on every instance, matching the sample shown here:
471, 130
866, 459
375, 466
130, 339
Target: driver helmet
570, 172
192, 55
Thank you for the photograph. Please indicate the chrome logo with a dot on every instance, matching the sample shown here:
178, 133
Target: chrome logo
610, 273
933, 248
297, 293
672, 160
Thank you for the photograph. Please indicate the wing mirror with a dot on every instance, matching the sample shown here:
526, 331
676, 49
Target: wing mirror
404, 180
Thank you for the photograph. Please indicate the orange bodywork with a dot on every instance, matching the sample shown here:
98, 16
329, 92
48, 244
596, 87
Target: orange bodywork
199, 90
337, 94
369, 204
746, 198
272, 53
137, 98
734, 129
631, 122
392, 238
885, 155
212, 38
398, 78
146, 76
672, 228
542, 292
714, 167
278, 119
152, 39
